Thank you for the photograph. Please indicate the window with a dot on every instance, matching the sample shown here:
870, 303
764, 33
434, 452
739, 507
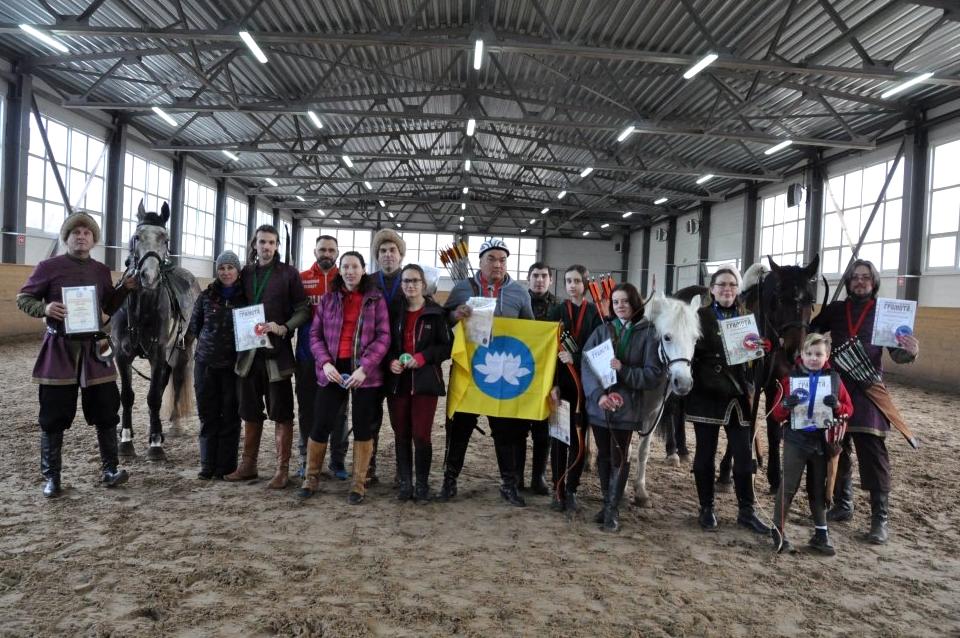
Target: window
199, 206
848, 202
263, 217
782, 230
347, 239
81, 160
523, 253
422, 248
142, 180
235, 227
944, 207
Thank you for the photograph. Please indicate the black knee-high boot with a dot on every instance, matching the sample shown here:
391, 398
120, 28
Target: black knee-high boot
405, 469
618, 483
506, 460
51, 447
107, 441
458, 440
423, 457
879, 508
705, 493
603, 472
747, 515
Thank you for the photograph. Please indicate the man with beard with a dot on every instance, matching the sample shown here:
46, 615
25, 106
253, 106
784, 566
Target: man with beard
388, 249
539, 281
512, 302
265, 373
316, 283
852, 319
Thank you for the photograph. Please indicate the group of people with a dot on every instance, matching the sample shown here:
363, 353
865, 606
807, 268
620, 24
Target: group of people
381, 338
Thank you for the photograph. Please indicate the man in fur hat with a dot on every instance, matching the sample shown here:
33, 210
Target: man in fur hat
69, 356
388, 250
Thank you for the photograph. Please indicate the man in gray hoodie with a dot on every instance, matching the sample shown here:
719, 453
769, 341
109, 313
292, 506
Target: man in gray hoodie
508, 434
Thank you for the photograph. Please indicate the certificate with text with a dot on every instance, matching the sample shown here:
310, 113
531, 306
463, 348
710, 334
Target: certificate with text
83, 311
741, 339
894, 318
248, 332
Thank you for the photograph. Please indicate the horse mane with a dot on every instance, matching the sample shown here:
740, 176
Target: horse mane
673, 315
688, 293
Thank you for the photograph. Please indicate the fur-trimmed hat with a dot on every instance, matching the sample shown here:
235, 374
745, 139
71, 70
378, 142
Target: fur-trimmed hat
385, 235
79, 218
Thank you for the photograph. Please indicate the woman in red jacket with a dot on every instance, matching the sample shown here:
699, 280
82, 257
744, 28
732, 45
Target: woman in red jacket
808, 441
421, 342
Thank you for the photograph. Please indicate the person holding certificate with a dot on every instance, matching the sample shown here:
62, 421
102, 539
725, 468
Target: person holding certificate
850, 324
214, 379
265, 371
721, 397
421, 341
349, 338
70, 292
614, 411
815, 403
580, 318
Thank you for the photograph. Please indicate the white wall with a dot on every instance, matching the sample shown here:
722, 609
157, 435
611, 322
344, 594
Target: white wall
598, 255
658, 260
635, 258
685, 252
726, 230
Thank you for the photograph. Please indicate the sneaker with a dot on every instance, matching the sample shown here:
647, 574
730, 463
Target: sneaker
820, 543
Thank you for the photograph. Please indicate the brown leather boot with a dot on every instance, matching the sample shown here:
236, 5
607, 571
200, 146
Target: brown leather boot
251, 449
284, 438
311, 480
362, 451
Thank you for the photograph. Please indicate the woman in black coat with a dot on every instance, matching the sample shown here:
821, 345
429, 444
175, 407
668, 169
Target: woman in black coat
420, 341
214, 379
721, 397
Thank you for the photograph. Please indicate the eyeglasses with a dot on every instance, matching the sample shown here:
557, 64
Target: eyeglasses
725, 284
410, 282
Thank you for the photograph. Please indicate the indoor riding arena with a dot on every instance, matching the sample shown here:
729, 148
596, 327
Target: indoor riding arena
791, 167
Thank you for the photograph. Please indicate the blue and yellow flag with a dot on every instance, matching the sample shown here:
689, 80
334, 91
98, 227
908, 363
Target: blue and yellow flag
509, 378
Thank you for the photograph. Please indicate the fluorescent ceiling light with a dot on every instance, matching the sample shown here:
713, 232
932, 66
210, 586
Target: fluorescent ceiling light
233, 156
478, 54
463, 206
471, 126
662, 200
706, 178
272, 181
627, 214
466, 189
604, 225
544, 211
585, 233
627, 132
466, 165
46, 39
253, 46
561, 194
704, 62
382, 204
368, 185
300, 199
399, 224
321, 212
461, 226
461, 217
336, 221
778, 147
391, 215
315, 119
166, 116
523, 230
586, 171
903, 86
348, 161
532, 222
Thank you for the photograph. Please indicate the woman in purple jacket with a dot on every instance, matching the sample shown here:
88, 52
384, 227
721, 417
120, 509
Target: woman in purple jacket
349, 337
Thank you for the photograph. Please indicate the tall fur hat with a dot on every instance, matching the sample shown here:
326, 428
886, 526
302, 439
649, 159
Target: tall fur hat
384, 235
79, 218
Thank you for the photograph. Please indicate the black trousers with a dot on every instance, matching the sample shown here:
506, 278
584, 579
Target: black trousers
306, 390
797, 457
674, 426
58, 405
872, 459
218, 407
613, 446
738, 440
565, 466
331, 399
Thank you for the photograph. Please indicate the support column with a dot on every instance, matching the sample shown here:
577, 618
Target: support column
813, 219
276, 218
177, 195
670, 277
915, 157
219, 220
748, 255
113, 213
16, 143
296, 239
625, 252
703, 247
645, 263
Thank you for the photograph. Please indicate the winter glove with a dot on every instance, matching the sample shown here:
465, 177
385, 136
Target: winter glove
830, 401
791, 401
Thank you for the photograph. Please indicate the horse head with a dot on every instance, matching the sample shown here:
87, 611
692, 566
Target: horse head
149, 245
678, 327
787, 298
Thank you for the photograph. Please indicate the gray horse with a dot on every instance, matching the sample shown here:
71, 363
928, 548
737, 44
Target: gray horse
152, 325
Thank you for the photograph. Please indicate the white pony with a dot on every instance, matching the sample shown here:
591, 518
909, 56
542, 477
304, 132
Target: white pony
678, 327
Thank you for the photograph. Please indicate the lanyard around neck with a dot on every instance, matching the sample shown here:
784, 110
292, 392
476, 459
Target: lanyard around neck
260, 287
393, 290
578, 324
853, 329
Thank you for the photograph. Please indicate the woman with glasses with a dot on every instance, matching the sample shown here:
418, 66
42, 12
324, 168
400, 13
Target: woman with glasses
721, 397
421, 341
349, 337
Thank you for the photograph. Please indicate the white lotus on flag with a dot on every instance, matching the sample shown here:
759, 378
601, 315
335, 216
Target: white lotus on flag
503, 365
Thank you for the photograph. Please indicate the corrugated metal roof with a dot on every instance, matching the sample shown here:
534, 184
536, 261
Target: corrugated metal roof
560, 79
